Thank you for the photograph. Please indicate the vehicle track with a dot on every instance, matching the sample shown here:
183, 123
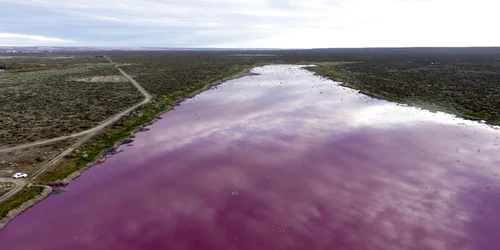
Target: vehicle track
87, 135
144, 92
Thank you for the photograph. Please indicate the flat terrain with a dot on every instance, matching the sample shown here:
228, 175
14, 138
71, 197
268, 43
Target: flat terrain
114, 127
50, 95
464, 81
163, 73
48, 103
29, 160
282, 160
470, 89
6, 186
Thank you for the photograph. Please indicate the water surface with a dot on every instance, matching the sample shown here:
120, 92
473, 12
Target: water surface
282, 160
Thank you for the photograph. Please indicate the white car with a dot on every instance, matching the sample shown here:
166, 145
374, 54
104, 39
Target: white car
19, 175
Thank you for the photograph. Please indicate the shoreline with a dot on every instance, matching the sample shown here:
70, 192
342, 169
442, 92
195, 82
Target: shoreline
346, 83
195, 90
47, 190
48, 187
66, 181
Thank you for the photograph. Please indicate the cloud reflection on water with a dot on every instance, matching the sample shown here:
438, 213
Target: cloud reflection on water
295, 163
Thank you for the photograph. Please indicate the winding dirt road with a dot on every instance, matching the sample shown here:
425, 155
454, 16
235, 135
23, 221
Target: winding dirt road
87, 135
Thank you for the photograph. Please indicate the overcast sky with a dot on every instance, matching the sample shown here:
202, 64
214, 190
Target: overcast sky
250, 23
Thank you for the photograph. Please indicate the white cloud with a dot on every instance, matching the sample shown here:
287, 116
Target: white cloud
286, 23
11, 39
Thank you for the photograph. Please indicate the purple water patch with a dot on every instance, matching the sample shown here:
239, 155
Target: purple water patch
282, 160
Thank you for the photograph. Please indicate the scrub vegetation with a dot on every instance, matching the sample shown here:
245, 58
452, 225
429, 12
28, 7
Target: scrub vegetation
19, 199
30, 160
48, 102
163, 73
122, 129
460, 84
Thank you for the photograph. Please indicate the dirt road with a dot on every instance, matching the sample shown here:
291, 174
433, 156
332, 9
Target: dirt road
144, 92
20, 183
87, 135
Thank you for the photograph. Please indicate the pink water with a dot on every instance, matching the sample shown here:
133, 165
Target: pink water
282, 160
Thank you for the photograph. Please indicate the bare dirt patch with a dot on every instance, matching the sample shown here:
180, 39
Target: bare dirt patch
31, 159
5, 187
94, 79
60, 57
